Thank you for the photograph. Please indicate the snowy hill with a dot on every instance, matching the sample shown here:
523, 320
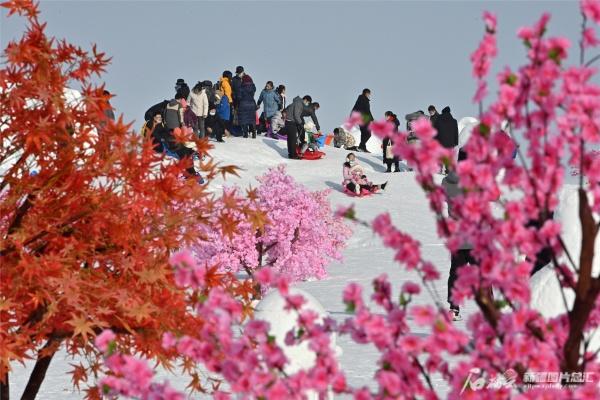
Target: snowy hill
364, 259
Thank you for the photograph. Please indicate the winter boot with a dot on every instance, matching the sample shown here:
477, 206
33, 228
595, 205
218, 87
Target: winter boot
383, 186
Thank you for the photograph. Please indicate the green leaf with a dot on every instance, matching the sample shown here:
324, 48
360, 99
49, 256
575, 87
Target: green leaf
350, 307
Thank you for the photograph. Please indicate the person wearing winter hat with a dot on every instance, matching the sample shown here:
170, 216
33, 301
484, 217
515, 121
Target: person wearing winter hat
182, 88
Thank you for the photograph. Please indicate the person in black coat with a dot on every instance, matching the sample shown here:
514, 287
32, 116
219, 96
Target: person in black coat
433, 114
247, 107
214, 124
363, 106
447, 130
388, 157
236, 85
182, 89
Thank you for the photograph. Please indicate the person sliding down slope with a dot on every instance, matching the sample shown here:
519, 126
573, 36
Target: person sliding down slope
355, 179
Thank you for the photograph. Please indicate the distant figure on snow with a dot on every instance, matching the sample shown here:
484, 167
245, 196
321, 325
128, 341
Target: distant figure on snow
388, 156
447, 130
433, 114
363, 106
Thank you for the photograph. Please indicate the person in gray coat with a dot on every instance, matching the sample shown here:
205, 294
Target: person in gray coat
174, 113
294, 123
463, 255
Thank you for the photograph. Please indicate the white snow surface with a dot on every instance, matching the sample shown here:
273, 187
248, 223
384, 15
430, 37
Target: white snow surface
365, 257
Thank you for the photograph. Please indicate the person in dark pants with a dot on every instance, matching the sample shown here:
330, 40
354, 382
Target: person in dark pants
363, 106
462, 256
214, 124
294, 123
457, 260
388, 156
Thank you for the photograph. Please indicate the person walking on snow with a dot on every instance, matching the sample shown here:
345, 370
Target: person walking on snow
363, 106
355, 179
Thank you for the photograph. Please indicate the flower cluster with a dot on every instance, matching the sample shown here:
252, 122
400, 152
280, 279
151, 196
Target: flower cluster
298, 239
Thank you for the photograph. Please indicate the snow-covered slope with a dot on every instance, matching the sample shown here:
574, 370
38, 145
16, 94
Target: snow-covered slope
364, 259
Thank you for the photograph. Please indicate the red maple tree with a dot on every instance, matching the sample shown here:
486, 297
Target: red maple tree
89, 215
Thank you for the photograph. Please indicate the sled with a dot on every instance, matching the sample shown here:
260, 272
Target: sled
310, 155
363, 192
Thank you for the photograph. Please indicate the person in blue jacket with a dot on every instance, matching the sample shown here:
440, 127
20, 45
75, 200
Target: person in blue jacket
224, 113
271, 102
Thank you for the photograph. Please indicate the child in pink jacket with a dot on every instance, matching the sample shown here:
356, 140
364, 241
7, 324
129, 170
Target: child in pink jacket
355, 179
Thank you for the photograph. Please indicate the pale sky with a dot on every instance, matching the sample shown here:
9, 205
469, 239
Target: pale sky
409, 53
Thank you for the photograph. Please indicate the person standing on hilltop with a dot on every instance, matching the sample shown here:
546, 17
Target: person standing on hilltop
247, 107
447, 131
363, 106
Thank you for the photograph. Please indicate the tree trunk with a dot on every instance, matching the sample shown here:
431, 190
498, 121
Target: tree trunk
39, 373
586, 291
4, 388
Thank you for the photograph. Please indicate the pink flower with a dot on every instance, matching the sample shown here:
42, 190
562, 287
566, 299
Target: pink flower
382, 129
169, 340
411, 288
423, 129
353, 295
591, 9
490, 21
182, 258
104, 339
589, 37
423, 315
355, 119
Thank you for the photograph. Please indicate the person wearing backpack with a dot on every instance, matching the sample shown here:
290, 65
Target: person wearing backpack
271, 101
199, 105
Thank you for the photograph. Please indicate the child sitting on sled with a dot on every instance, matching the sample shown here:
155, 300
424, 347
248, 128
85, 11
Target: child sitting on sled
355, 180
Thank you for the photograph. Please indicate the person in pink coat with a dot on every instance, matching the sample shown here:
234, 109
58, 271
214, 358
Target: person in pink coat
355, 179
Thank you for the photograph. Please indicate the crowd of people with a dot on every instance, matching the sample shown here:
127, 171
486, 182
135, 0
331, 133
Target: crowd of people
229, 107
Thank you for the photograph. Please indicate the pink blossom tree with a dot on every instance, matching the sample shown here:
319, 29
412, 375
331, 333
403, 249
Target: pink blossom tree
299, 238
555, 109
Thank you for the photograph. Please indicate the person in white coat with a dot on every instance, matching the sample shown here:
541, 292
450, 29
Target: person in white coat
199, 105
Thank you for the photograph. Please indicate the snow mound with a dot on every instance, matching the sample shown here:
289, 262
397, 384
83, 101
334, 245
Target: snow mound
272, 310
546, 294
